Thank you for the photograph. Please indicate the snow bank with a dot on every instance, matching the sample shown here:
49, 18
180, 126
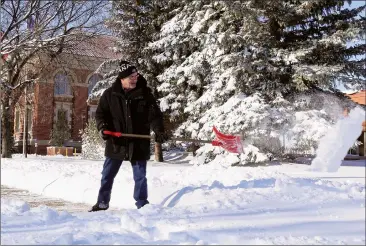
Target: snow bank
189, 204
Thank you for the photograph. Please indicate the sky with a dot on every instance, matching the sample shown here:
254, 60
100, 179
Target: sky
282, 203
354, 4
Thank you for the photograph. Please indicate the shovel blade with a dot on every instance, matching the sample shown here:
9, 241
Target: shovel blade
231, 143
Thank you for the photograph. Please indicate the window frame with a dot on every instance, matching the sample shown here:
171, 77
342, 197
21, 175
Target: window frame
62, 86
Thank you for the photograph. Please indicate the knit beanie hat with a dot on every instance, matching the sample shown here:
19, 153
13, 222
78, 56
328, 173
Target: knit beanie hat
126, 69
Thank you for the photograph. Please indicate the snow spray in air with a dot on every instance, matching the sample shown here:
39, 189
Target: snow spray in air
334, 145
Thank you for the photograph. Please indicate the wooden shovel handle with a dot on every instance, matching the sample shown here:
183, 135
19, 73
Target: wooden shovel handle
120, 134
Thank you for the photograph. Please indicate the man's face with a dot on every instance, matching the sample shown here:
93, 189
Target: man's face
130, 81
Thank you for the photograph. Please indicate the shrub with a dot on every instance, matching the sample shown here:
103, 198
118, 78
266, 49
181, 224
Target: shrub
92, 144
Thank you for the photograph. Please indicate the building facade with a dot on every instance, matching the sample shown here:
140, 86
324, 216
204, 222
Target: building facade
62, 88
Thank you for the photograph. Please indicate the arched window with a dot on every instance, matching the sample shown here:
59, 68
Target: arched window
93, 80
62, 84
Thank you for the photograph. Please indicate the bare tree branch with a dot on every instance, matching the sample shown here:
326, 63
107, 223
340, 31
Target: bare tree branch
31, 29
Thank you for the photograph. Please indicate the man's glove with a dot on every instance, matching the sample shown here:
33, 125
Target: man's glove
102, 135
161, 137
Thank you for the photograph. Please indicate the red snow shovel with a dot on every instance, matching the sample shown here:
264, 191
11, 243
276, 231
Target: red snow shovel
230, 143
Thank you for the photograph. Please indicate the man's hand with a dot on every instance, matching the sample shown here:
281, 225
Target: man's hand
102, 135
161, 137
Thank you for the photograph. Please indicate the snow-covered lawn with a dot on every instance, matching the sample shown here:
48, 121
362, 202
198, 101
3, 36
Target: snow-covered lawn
282, 204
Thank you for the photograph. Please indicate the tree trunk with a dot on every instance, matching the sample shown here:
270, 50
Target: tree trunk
195, 147
7, 129
158, 152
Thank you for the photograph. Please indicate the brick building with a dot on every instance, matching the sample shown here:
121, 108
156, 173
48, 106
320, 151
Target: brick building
62, 87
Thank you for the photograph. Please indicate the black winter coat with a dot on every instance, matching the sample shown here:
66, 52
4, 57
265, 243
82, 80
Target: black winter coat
134, 112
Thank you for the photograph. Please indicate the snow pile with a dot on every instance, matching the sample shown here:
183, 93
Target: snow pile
13, 206
335, 144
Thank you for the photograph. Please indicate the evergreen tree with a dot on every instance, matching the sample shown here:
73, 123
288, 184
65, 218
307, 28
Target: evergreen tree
61, 130
206, 50
243, 65
255, 54
301, 45
278, 47
136, 23
92, 144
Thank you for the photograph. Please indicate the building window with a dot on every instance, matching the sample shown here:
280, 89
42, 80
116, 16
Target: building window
93, 80
62, 84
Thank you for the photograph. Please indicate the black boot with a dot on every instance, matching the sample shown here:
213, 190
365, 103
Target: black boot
98, 207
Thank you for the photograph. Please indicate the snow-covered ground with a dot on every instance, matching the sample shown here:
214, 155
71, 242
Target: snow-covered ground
208, 204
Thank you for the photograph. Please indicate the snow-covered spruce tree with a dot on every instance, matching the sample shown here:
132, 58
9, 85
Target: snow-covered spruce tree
302, 45
92, 144
206, 50
243, 66
136, 23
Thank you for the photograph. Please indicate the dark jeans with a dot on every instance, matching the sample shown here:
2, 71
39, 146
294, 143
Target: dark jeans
110, 170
